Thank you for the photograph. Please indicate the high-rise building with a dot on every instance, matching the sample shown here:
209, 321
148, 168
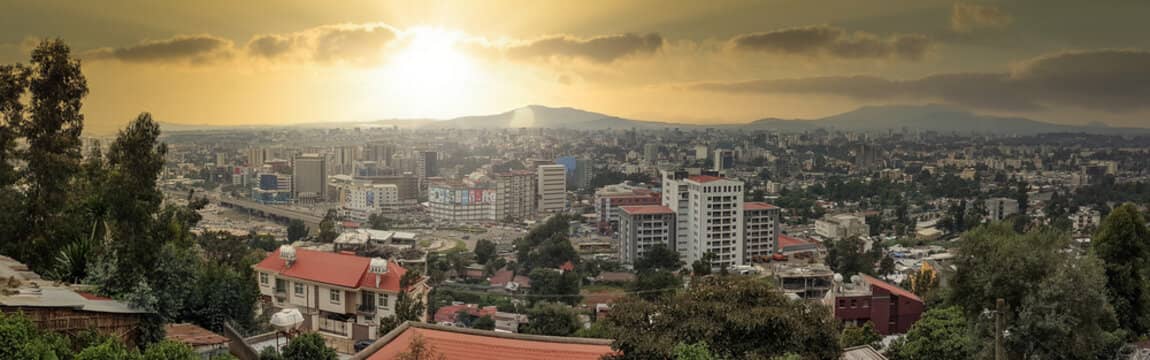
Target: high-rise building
552, 188
651, 153
724, 159
221, 159
761, 230
359, 200
584, 172
701, 152
309, 178
715, 220
643, 227
426, 166
343, 161
514, 195
381, 153
675, 197
610, 198
457, 202
257, 157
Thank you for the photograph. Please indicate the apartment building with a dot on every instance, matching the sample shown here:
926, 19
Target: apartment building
552, 188
309, 178
675, 196
892, 310
761, 230
715, 220
610, 198
514, 195
459, 202
643, 227
999, 208
841, 226
342, 296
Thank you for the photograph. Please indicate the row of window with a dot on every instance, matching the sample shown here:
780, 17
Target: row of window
298, 290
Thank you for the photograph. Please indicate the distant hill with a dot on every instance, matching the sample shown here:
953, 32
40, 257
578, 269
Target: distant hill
939, 118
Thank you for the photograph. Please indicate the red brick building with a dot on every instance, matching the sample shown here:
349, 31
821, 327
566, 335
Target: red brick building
890, 308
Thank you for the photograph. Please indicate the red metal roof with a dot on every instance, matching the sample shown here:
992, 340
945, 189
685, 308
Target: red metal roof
338, 269
454, 344
758, 205
646, 209
786, 241
704, 178
447, 313
889, 287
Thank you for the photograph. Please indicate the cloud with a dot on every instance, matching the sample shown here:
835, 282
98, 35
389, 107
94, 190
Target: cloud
830, 41
966, 17
352, 43
601, 49
193, 49
1108, 80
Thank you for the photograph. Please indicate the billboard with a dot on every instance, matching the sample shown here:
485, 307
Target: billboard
460, 196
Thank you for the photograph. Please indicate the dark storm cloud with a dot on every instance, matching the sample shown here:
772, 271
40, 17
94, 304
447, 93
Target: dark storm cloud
1108, 80
825, 40
194, 49
967, 17
601, 49
271, 46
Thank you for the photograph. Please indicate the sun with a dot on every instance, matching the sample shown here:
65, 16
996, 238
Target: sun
428, 73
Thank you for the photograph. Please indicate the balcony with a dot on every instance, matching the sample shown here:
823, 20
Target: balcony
334, 327
366, 309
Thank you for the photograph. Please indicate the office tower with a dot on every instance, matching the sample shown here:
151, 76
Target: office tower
381, 153
675, 197
701, 152
584, 172
309, 178
724, 159
427, 164
643, 227
514, 195
552, 188
344, 160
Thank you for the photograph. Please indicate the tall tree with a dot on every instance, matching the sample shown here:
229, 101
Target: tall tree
552, 319
659, 257
484, 251
52, 130
296, 230
13, 85
408, 307
327, 232
1123, 244
135, 160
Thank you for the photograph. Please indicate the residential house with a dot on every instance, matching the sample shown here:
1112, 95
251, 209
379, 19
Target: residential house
452, 343
890, 308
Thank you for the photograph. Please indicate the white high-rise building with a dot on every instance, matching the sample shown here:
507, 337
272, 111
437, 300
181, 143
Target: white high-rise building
761, 230
515, 195
552, 188
359, 200
675, 197
715, 220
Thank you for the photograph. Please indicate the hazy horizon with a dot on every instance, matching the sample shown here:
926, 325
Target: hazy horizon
702, 63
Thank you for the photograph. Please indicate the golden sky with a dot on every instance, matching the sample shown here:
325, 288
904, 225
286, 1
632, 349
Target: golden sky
267, 62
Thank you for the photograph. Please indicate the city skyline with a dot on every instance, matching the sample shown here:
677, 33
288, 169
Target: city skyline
260, 63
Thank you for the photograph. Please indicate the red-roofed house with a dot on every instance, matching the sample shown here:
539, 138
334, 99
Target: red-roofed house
449, 315
206, 343
342, 296
452, 343
892, 309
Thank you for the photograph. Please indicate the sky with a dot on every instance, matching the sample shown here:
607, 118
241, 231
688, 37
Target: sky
290, 61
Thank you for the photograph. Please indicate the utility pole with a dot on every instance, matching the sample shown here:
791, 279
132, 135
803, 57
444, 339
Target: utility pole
1000, 310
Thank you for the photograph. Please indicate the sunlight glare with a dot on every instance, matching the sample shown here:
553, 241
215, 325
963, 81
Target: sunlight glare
429, 74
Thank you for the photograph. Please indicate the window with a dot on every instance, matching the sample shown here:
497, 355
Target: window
298, 289
334, 295
383, 300
264, 278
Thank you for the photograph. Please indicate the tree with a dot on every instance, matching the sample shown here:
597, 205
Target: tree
407, 306
484, 251
552, 319
296, 230
848, 257
702, 266
654, 284
308, 346
327, 232
659, 257
1123, 244
379, 222
56, 89
20, 339
554, 285
726, 312
484, 323
886, 266
854, 335
696, 351
170, 350
13, 85
940, 334
109, 350
223, 295
135, 160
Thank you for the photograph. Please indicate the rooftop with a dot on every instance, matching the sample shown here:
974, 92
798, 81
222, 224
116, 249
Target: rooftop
21, 287
458, 343
339, 269
646, 209
758, 206
193, 335
704, 178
